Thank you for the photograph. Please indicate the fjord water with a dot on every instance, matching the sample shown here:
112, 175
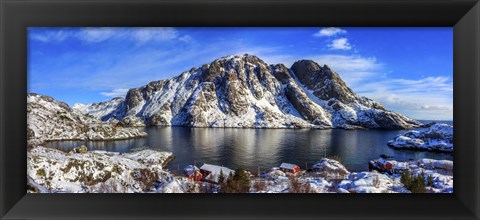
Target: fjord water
261, 148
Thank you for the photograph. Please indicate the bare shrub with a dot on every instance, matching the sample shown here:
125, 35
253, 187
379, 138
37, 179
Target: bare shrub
259, 185
296, 186
376, 182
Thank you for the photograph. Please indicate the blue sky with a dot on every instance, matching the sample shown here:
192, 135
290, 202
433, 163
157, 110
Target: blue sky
408, 70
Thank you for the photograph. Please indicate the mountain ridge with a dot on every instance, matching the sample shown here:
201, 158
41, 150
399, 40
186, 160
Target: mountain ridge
244, 91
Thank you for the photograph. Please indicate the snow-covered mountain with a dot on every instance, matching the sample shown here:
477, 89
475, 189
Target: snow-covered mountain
102, 110
244, 91
49, 119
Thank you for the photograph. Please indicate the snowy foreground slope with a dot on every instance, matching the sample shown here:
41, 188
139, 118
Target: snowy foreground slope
330, 176
51, 170
244, 91
49, 119
438, 137
96, 171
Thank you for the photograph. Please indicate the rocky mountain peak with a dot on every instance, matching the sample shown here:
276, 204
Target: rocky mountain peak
281, 72
232, 67
47, 99
244, 57
324, 82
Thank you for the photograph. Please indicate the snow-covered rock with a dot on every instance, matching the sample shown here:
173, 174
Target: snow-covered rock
174, 186
437, 164
330, 168
49, 119
319, 185
96, 171
372, 182
34, 187
244, 91
438, 137
274, 174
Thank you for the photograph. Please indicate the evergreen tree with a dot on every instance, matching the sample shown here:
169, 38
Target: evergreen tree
237, 183
416, 184
430, 180
242, 180
406, 178
221, 177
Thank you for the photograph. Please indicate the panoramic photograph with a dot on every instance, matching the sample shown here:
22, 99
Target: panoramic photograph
240, 110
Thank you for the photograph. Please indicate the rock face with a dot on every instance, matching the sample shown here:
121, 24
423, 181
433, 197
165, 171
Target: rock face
438, 137
49, 119
244, 91
324, 83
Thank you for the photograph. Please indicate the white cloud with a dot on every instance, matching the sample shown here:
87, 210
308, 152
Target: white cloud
115, 93
185, 38
424, 98
351, 63
154, 34
328, 32
95, 35
51, 36
340, 44
435, 107
100, 34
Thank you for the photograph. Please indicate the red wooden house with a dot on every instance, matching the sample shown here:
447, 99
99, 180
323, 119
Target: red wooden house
384, 164
212, 172
288, 167
193, 173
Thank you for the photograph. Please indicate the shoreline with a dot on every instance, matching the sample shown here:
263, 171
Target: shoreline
286, 128
147, 169
420, 149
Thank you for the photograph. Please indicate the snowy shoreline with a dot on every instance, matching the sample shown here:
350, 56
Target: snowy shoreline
51, 170
437, 138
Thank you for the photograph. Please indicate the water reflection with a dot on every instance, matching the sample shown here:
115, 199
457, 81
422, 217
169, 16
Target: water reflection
260, 148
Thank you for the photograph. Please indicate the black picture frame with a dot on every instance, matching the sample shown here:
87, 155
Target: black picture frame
16, 16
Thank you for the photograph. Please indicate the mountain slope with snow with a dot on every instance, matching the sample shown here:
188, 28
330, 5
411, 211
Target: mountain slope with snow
103, 110
244, 91
49, 119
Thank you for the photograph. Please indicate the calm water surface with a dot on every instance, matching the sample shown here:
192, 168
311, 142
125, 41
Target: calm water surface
261, 148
